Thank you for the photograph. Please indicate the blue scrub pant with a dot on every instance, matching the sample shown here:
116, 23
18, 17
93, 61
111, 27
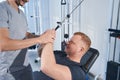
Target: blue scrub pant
25, 74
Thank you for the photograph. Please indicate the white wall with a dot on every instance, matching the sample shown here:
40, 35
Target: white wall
45, 16
94, 22
55, 16
2, 0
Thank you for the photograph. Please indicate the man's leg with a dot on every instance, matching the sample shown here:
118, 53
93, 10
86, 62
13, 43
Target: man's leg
25, 74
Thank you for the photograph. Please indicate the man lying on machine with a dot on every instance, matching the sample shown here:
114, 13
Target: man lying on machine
64, 65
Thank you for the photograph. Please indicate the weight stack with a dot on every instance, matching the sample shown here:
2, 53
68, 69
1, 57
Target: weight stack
113, 71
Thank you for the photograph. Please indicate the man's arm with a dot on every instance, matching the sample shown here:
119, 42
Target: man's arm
50, 67
6, 43
39, 50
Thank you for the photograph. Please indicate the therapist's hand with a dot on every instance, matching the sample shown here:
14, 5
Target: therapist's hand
47, 37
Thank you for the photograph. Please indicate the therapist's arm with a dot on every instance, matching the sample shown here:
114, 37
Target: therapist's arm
9, 44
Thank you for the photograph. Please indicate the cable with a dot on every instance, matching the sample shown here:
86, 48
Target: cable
76, 7
68, 15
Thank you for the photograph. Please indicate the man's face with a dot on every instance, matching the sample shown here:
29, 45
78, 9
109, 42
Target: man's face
73, 45
21, 2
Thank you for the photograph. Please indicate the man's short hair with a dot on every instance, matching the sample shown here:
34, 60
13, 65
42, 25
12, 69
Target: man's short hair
84, 38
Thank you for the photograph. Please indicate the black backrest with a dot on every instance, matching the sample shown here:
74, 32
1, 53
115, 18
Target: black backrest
89, 58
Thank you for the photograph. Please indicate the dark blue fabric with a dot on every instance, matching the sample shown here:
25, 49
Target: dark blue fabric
19, 61
24, 74
39, 75
75, 68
